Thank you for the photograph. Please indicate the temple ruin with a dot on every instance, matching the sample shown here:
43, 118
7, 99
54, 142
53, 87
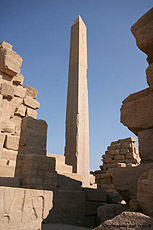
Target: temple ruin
39, 189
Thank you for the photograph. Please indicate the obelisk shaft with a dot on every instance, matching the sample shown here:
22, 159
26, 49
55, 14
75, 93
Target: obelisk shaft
77, 116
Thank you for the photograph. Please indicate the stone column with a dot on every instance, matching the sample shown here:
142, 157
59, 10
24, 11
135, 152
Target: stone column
77, 117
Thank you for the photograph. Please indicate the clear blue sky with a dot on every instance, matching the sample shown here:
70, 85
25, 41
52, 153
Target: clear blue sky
39, 30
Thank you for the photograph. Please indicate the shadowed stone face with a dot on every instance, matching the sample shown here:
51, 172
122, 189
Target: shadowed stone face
77, 120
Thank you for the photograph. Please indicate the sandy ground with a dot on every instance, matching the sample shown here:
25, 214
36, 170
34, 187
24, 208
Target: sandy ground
62, 227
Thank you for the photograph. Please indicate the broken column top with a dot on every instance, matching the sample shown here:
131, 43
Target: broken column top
143, 32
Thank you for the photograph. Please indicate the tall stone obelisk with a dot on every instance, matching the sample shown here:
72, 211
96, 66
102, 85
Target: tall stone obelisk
77, 115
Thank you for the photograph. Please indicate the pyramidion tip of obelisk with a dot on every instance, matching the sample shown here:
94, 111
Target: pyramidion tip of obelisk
78, 20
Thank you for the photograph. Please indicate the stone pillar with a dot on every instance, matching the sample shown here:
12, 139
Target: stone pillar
77, 117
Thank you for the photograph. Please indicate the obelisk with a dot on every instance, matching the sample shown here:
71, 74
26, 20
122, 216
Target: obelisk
77, 115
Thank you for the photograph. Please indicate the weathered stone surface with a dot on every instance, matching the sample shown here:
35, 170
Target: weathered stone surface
134, 206
33, 136
66, 209
9, 154
149, 73
143, 32
8, 126
7, 90
32, 103
16, 120
12, 142
113, 198
145, 138
31, 91
15, 104
77, 119
145, 192
31, 113
23, 208
109, 211
32, 150
5, 45
39, 126
137, 114
128, 220
125, 180
21, 110
10, 61
95, 194
18, 79
19, 91
91, 207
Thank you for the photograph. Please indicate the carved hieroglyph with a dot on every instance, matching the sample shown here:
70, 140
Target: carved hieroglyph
77, 117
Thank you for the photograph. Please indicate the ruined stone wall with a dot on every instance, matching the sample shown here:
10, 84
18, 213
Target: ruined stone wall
16, 102
121, 153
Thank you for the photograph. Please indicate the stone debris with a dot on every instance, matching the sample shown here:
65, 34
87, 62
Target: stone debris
128, 220
109, 211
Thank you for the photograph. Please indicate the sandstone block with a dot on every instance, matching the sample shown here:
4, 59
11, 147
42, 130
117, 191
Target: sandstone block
113, 198
109, 160
149, 73
38, 126
119, 157
109, 211
114, 142
7, 90
19, 91
137, 114
145, 192
126, 145
9, 154
125, 180
31, 113
6, 109
10, 62
32, 103
5, 45
91, 207
31, 91
16, 120
121, 165
95, 194
142, 31
12, 142
67, 209
146, 145
112, 147
124, 151
115, 152
128, 220
8, 126
18, 79
21, 110
32, 150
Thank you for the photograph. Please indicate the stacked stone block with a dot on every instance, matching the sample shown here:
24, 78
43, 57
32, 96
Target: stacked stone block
16, 102
137, 108
121, 153
34, 168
